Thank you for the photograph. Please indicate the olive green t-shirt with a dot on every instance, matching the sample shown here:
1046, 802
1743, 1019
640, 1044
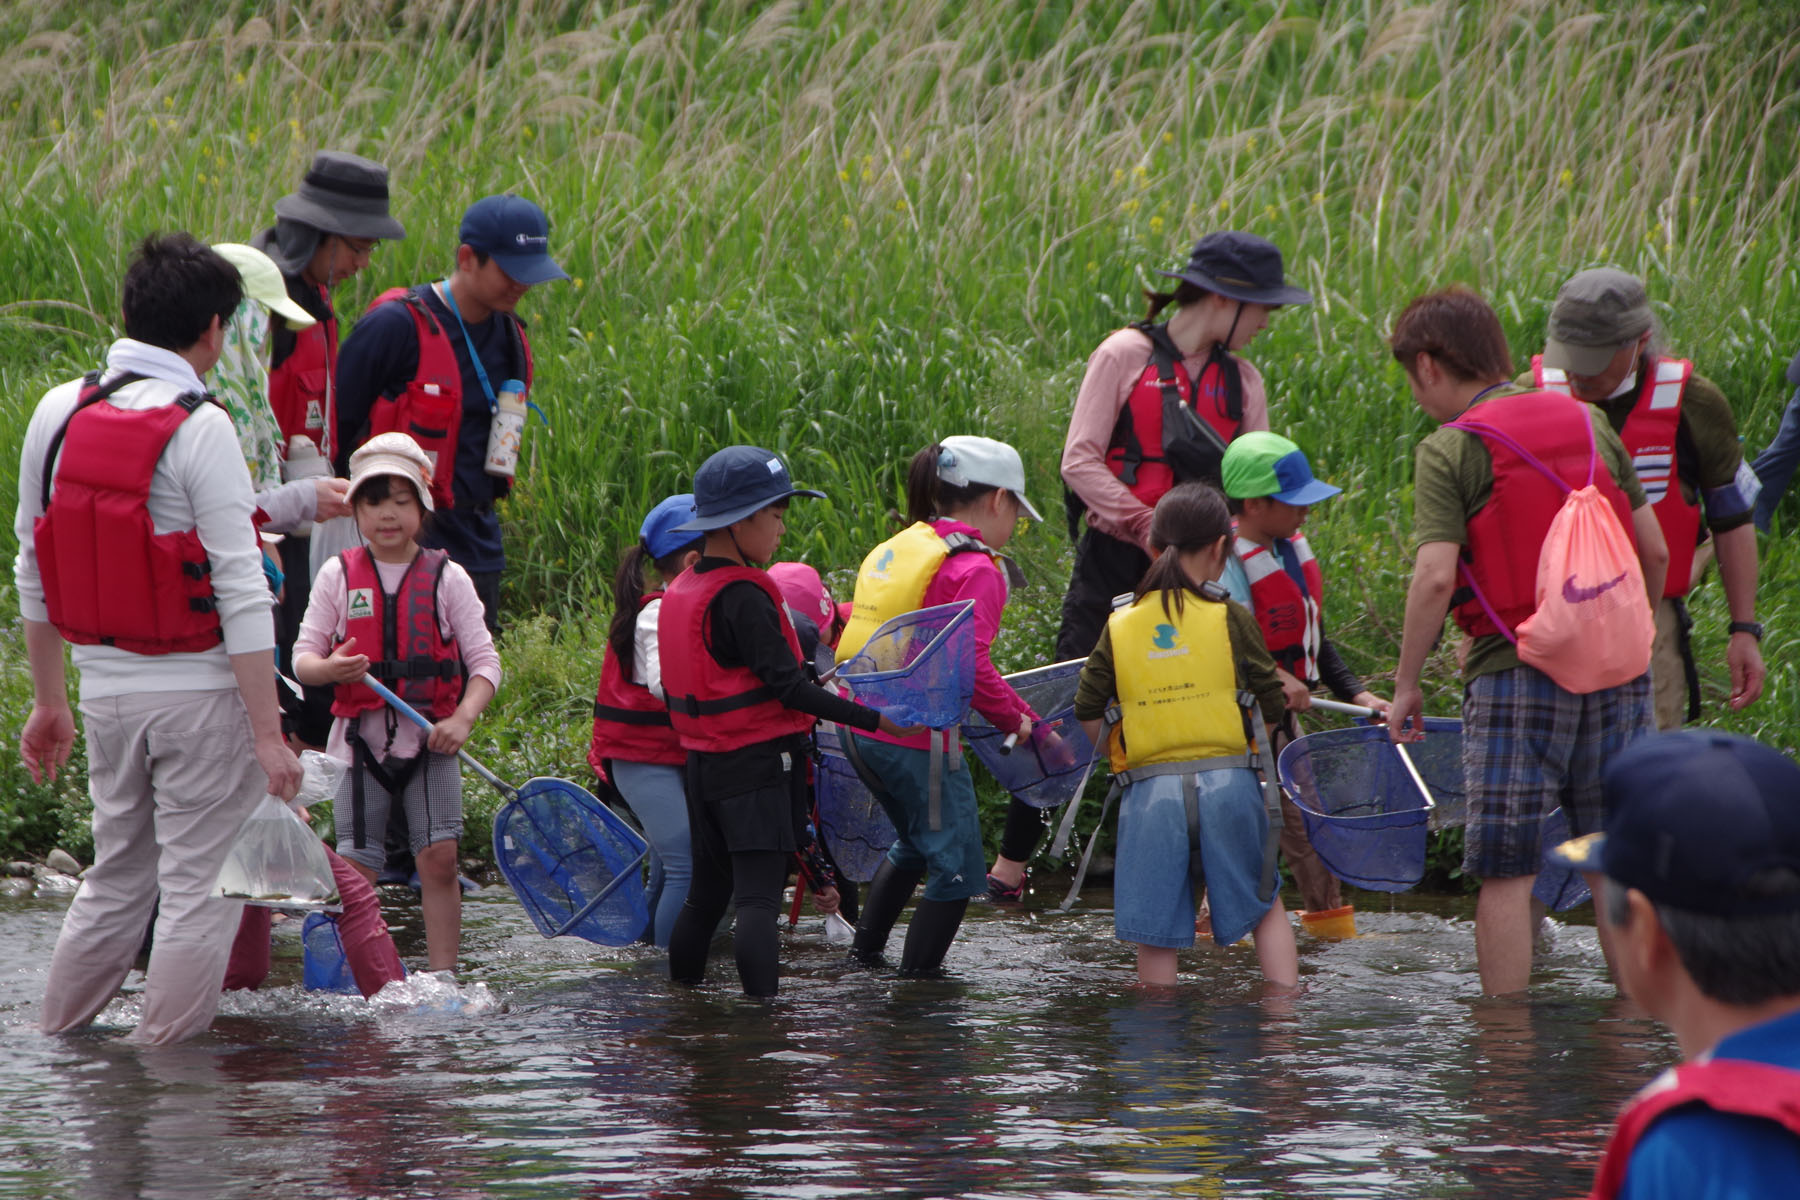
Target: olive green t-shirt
1453, 479
1707, 425
1255, 668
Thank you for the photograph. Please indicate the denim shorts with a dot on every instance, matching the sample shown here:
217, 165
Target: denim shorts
1158, 874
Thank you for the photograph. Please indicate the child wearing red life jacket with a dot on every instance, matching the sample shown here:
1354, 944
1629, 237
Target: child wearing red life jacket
634, 743
1272, 572
743, 708
1192, 681
964, 495
413, 619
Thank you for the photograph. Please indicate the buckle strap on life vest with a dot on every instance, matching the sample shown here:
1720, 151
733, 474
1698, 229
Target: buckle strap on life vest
630, 716
693, 706
392, 782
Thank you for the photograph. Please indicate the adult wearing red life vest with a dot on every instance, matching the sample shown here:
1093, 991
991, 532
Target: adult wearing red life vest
1697, 879
1158, 405
1603, 349
1529, 745
324, 232
136, 544
432, 361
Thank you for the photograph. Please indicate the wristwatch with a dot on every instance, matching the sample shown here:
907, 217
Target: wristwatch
1753, 628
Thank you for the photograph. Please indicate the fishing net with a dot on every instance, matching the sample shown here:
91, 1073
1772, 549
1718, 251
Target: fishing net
323, 967
1363, 813
1559, 887
1051, 767
576, 866
918, 668
851, 821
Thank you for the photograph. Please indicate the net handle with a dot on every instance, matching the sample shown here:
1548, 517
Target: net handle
412, 714
1359, 710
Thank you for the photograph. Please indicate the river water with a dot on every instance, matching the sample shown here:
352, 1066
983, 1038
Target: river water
1037, 1070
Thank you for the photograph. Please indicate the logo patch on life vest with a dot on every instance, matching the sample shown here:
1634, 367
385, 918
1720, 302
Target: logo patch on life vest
883, 563
315, 415
1167, 642
362, 603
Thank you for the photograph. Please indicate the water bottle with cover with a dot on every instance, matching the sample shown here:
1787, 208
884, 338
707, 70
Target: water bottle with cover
506, 430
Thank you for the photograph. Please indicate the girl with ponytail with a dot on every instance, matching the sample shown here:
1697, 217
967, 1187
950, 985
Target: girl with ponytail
964, 495
1174, 662
634, 745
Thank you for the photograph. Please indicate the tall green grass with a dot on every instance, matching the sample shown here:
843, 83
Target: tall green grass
842, 229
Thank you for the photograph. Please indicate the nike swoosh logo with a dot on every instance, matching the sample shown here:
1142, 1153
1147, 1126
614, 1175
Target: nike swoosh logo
1580, 595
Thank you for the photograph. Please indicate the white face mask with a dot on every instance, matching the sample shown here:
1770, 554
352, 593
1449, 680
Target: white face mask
1625, 385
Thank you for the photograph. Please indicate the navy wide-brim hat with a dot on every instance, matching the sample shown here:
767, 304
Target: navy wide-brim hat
1239, 266
738, 482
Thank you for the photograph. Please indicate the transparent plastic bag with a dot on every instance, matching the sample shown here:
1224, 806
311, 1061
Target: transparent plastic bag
277, 861
320, 783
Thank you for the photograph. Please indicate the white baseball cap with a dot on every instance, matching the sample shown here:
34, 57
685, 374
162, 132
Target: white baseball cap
964, 460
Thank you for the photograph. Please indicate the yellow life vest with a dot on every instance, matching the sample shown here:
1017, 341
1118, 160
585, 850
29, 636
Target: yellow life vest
1176, 680
893, 579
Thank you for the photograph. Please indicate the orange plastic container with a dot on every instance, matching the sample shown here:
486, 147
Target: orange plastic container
1330, 922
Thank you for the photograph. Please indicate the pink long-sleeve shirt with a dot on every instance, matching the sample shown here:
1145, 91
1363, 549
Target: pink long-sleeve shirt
973, 577
1113, 371
459, 616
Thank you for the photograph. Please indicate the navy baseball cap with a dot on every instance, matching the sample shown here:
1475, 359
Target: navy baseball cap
515, 233
1694, 818
658, 532
738, 482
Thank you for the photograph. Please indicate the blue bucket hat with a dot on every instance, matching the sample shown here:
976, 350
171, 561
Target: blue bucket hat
659, 533
1698, 820
738, 482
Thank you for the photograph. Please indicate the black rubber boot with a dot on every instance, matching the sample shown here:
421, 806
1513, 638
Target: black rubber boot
928, 938
881, 907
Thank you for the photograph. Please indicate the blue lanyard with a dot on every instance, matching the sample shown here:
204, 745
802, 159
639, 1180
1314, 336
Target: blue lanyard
480, 371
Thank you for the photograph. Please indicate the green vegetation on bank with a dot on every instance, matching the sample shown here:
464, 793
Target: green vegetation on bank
840, 229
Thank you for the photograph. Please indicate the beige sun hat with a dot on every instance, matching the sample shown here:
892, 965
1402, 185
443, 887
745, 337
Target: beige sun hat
391, 454
263, 282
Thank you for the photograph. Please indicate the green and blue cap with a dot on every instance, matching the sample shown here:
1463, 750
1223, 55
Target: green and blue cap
1260, 463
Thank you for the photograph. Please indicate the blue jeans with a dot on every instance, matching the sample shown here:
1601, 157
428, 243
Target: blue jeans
659, 798
1775, 465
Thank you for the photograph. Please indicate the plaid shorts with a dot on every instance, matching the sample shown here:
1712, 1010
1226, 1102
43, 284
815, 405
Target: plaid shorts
1529, 746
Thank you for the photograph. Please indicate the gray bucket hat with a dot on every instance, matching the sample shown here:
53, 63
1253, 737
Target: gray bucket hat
1595, 313
1239, 266
344, 194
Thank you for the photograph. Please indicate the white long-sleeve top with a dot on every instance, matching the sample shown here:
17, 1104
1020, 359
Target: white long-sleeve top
200, 483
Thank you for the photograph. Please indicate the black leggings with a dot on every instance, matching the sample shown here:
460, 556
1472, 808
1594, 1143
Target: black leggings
1024, 826
752, 880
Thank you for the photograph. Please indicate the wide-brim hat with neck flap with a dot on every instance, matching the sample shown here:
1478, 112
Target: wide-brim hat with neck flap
343, 194
738, 482
1239, 266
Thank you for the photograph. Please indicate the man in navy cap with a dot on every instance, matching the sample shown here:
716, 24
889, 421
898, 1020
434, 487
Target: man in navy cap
1698, 877
431, 361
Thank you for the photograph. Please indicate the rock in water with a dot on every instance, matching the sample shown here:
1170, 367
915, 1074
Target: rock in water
62, 862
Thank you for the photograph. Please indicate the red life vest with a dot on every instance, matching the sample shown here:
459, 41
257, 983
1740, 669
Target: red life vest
401, 635
430, 409
302, 386
714, 708
1649, 435
109, 578
1728, 1085
1146, 454
1288, 614
1506, 536
630, 723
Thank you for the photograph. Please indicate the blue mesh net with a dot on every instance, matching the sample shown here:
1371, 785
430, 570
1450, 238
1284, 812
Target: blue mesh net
1559, 887
1363, 813
1052, 767
852, 822
918, 668
323, 967
576, 867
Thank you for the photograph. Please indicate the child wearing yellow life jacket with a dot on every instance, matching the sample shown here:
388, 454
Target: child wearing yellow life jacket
964, 496
1192, 680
